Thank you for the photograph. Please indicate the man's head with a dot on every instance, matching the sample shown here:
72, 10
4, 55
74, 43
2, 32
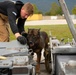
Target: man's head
26, 10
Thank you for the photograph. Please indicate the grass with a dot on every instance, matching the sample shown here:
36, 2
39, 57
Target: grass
59, 31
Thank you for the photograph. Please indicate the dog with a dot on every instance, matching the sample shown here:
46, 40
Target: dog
38, 40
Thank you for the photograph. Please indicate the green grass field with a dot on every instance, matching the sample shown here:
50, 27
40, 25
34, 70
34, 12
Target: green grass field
59, 31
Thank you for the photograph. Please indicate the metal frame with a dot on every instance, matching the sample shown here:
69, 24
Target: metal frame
68, 18
73, 31
61, 52
12, 50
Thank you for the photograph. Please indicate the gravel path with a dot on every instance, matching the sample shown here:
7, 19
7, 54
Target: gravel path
48, 22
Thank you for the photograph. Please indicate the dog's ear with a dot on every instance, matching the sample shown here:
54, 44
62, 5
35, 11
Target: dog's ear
28, 30
39, 31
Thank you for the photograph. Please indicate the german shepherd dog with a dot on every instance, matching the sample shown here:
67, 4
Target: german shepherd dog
37, 41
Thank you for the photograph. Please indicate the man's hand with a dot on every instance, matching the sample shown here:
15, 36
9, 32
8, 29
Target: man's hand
22, 40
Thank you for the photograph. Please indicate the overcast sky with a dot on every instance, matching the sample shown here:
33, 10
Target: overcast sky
45, 5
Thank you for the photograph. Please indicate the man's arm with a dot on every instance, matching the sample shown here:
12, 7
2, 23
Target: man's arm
20, 25
12, 20
12, 13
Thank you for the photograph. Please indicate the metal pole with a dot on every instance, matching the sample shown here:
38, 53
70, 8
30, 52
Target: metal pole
68, 18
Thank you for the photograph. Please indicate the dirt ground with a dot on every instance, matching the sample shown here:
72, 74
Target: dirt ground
43, 70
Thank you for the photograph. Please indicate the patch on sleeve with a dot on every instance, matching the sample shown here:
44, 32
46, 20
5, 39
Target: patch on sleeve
14, 13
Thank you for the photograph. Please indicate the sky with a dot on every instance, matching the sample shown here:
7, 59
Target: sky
45, 5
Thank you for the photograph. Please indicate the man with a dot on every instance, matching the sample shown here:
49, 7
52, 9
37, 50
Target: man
12, 12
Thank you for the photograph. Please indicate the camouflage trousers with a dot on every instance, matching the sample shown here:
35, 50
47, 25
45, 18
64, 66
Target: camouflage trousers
4, 28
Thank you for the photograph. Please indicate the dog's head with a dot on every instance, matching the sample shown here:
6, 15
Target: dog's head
33, 37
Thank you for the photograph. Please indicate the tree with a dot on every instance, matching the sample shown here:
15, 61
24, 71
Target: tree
47, 13
74, 10
36, 11
55, 9
59, 12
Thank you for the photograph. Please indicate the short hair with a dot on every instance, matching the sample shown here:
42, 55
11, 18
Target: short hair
28, 7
